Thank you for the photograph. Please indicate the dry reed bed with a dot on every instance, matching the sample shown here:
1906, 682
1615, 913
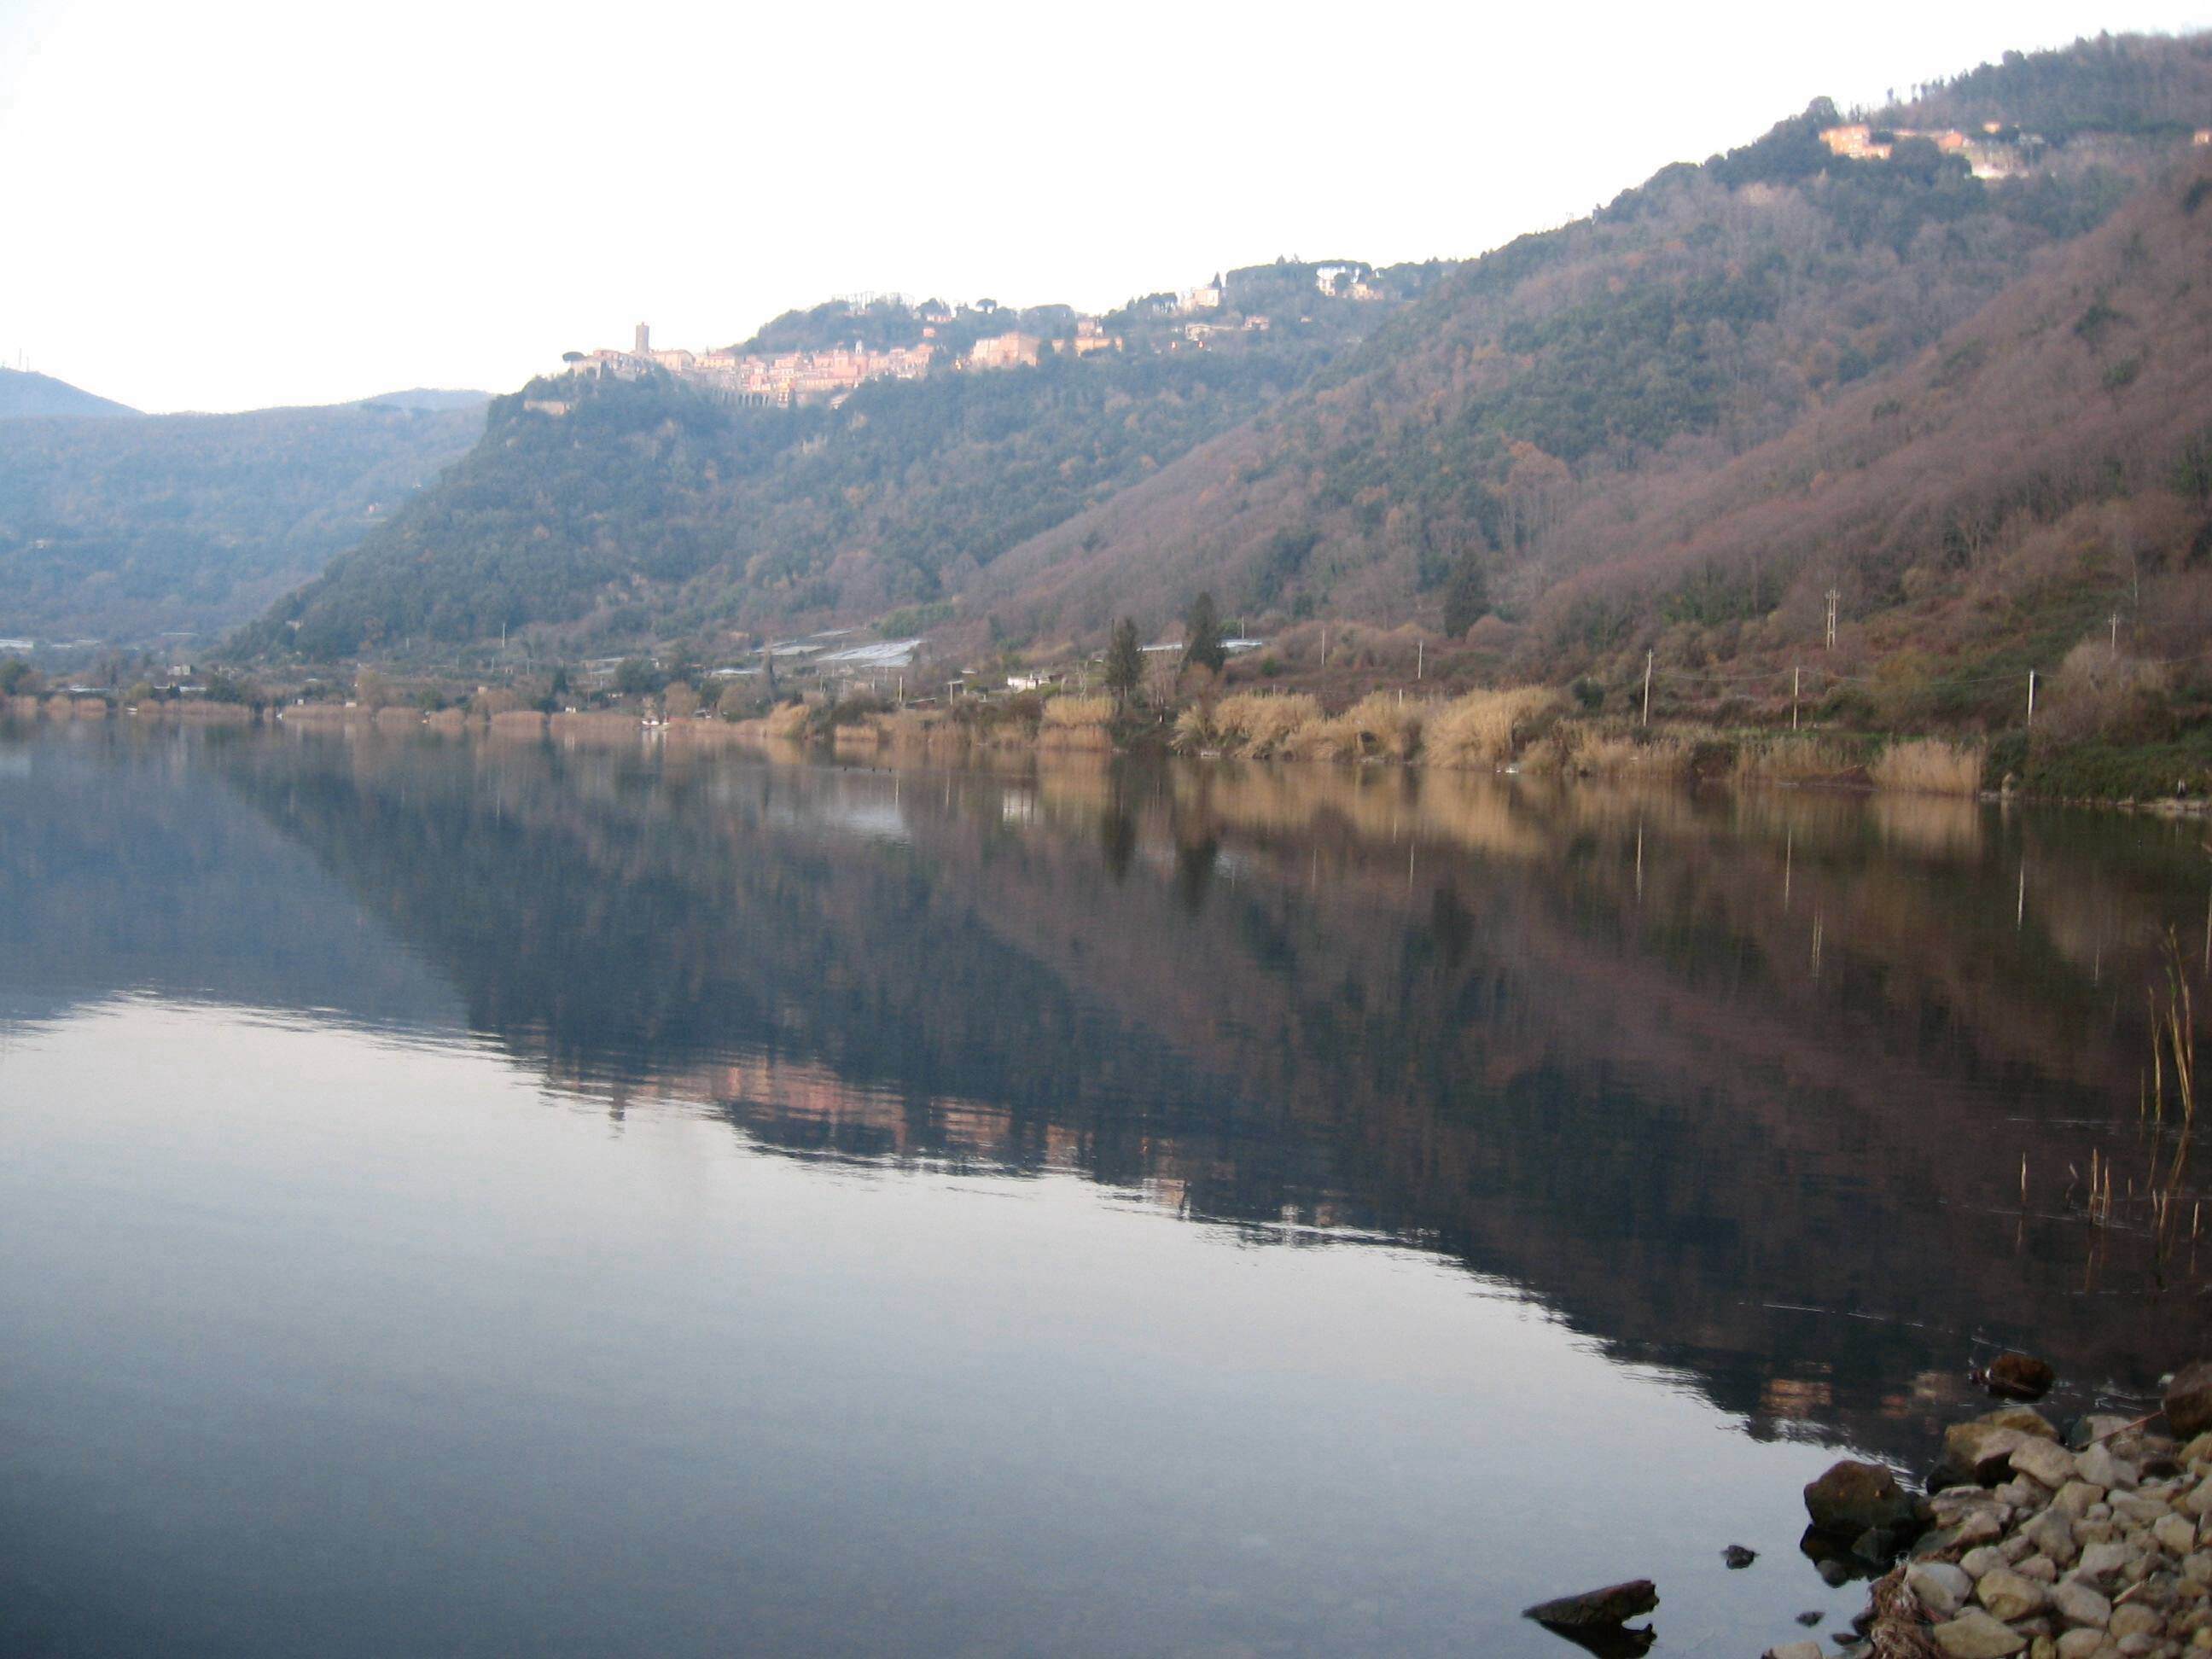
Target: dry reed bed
1794, 759
324, 713
1076, 723
1487, 728
1930, 766
196, 711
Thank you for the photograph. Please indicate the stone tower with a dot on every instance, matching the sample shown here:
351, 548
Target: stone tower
644, 340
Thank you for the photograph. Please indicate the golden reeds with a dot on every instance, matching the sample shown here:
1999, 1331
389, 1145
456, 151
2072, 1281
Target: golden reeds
789, 720
1792, 759
1258, 724
1930, 766
1485, 728
1589, 754
1076, 723
1193, 730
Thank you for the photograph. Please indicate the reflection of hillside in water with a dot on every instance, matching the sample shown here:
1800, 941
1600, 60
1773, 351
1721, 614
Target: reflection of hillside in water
124, 870
1683, 1066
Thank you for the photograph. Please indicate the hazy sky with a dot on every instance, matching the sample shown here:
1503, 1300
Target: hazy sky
227, 203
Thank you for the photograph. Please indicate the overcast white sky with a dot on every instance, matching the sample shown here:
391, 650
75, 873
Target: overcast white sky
224, 204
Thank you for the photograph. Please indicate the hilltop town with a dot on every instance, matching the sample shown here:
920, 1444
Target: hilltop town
974, 337
1999, 150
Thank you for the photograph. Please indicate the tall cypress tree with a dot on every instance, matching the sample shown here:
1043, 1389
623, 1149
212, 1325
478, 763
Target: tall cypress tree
1125, 662
1202, 647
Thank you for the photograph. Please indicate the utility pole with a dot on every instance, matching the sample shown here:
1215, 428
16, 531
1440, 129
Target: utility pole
2031, 700
1795, 672
2116, 635
1647, 688
1420, 655
1833, 595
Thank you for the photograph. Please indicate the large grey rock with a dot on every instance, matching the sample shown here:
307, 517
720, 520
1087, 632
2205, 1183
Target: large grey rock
1939, 1586
2022, 1493
2133, 1620
1616, 1604
2100, 1561
2046, 1462
1851, 1498
1987, 1558
2009, 1596
2136, 1509
2188, 1401
2076, 1498
2100, 1468
2080, 1604
1974, 1635
2049, 1533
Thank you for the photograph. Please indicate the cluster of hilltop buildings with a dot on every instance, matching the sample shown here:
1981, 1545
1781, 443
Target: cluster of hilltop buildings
1997, 151
783, 378
1187, 319
1988, 154
778, 378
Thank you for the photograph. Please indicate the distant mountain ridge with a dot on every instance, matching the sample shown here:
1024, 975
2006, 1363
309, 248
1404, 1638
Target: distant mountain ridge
424, 400
27, 395
130, 531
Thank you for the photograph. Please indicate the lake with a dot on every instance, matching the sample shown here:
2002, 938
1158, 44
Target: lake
473, 1196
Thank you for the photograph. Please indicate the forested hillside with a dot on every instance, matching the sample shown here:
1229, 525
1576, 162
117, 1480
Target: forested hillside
124, 530
611, 510
1584, 419
1965, 390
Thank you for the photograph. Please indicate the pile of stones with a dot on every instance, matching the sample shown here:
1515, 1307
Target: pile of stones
2095, 1546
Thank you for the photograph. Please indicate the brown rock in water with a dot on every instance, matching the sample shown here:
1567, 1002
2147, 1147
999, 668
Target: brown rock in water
1616, 1604
1854, 1497
2020, 1377
2189, 1399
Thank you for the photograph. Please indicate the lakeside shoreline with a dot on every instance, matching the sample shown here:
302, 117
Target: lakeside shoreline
2092, 1544
1672, 754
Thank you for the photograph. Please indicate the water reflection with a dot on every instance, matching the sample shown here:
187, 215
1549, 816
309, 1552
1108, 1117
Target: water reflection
1777, 1092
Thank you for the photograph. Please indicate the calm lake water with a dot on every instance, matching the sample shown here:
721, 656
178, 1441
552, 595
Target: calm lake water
483, 1197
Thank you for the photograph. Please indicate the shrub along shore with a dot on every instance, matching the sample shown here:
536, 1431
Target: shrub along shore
1528, 730
1532, 730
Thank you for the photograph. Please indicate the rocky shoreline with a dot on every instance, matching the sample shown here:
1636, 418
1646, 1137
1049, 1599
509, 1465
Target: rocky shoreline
2095, 1544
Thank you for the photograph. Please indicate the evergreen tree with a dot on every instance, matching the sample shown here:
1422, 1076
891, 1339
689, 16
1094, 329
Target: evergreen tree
1202, 647
1467, 600
1125, 662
